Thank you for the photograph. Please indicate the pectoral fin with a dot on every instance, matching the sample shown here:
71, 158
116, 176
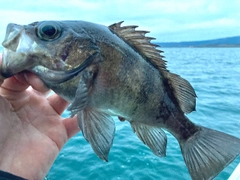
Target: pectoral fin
80, 100
98, 129
154, 138
85, 83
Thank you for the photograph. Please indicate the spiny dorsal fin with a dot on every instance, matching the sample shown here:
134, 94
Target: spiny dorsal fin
140, 42
182, 89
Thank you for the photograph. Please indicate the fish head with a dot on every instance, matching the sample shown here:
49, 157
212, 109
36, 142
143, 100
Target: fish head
54, 50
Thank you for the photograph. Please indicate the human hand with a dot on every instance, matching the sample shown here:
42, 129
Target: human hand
32, 131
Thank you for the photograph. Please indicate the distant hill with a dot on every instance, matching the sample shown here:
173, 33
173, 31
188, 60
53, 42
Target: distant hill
222, 42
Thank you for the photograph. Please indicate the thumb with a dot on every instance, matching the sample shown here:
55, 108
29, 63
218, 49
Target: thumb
36, 83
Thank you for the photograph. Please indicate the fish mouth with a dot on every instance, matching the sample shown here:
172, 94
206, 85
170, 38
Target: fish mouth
57, 77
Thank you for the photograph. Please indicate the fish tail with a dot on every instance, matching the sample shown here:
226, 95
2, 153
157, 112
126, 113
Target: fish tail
208, 151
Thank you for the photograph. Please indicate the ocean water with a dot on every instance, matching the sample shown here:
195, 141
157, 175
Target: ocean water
215, 75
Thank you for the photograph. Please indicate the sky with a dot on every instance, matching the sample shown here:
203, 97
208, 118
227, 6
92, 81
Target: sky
167, 20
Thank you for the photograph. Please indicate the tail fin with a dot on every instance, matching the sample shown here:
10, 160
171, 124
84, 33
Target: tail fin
207, 152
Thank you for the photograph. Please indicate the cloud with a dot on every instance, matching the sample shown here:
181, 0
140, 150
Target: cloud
168, 20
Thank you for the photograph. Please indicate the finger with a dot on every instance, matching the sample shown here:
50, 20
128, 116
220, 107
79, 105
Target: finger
14, 84
35, 82
71, 125
17, 83
57, 103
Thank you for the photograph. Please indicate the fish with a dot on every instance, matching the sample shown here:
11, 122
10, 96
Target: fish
106, 71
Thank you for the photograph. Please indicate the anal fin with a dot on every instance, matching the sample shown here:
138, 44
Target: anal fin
154, 138
98, 129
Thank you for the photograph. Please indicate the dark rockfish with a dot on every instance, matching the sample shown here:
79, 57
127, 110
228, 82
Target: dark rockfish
116, 71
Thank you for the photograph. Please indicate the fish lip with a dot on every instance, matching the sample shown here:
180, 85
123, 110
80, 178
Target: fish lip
57, 77
5, 71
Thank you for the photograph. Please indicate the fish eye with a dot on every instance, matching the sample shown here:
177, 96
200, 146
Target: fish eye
48, 31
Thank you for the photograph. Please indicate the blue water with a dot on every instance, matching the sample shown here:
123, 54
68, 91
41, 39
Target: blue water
215, 75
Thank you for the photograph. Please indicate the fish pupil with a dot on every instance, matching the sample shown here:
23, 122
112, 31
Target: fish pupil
49, 30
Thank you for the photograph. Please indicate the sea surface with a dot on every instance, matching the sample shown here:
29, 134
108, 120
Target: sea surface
215, 75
